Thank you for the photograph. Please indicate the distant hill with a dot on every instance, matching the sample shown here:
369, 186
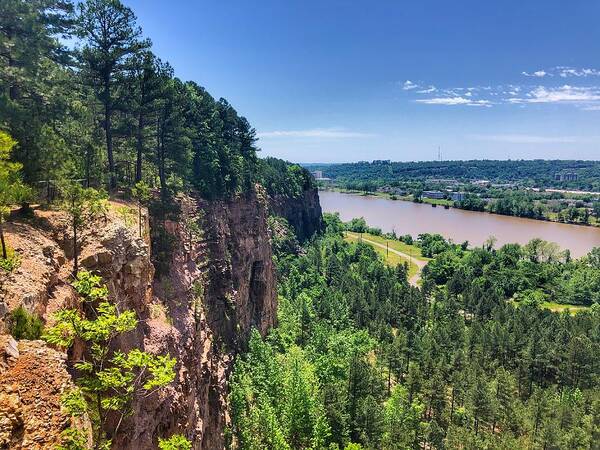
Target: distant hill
572, 174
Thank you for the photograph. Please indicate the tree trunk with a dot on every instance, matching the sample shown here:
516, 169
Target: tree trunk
88, 163
162, 170
4, 254
389, 384
108, 130
140, 147
75, 255
452, 405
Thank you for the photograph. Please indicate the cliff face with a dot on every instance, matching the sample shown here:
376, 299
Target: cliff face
219, 285
216, 282
303, 213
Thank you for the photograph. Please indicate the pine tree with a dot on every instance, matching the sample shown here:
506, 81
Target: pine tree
110, 35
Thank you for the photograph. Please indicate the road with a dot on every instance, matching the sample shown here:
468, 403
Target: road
414, 280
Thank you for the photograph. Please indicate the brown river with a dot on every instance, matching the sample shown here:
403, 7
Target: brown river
414, 218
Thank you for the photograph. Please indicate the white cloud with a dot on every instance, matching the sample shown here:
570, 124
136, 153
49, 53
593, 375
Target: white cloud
583, 97
527, 138
428, 90
566, 72
452, 101
320, 133
409, 85
537, 73
563, 72
562, 94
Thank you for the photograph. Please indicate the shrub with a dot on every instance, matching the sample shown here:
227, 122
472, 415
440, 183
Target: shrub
23, 325
108, 380
175, 442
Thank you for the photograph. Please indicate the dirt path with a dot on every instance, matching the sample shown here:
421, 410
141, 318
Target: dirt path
420, 264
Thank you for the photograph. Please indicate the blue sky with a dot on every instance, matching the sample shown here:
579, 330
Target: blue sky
331, 81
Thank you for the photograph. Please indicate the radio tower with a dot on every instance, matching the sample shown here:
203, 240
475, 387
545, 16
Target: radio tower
439, 153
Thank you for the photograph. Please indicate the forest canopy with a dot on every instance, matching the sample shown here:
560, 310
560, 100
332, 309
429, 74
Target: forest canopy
361, 359
107, 111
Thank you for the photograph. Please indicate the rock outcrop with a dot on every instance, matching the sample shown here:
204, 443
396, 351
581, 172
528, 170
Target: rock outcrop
218, 284
206, 284
33, 379
303, 212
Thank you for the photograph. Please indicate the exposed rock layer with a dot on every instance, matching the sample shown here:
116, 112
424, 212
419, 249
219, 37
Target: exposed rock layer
33, 379
303, 212
217, 284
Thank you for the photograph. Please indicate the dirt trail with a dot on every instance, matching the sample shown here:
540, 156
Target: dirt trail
420, 264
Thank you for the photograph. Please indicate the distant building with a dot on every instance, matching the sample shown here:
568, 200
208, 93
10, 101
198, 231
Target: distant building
481, 183
445, 181
433, 194
392, 190
566, 176
457, 196
317, 174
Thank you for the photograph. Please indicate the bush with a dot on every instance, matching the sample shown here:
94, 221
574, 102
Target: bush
175, 442
23, 325
374, 231
407, 239
357, 225
11, 262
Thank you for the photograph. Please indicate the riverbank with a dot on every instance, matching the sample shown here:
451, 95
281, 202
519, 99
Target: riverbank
551, 217
456, 224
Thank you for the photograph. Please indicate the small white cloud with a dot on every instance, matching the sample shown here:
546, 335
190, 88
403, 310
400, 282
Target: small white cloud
453, 101
409, 85
566, 72
428, 90
537, 74
563, 72
320, 133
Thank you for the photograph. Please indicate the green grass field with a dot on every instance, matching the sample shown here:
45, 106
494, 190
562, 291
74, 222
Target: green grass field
391, 258
411, 250
557, 307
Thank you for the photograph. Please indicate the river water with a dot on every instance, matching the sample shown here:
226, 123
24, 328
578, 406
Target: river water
456, 224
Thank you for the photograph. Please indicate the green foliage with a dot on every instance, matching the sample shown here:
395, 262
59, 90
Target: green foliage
81, 205
12, 190
74, 402
282, 178
283, 239
11, 262
141, 192
432, 244
538, 172
175, 442
23, 325
108, 379
357, 225
72, 439
122, 105
360, 359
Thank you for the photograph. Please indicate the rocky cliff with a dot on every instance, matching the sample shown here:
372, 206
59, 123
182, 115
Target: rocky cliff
214, 282
303, 212
217, 285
